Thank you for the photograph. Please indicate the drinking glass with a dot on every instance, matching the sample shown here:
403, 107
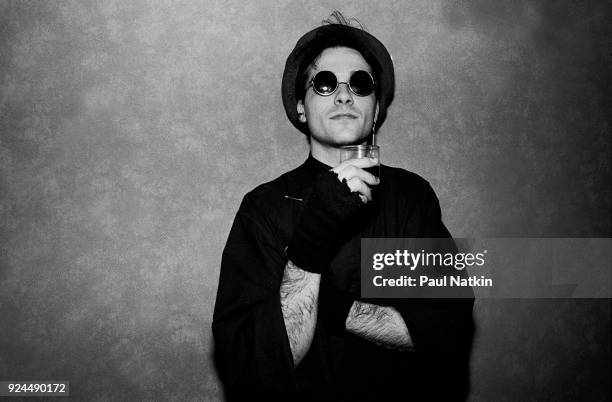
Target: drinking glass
362, 151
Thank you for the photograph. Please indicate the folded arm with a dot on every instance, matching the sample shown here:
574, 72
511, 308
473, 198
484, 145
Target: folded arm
299, 293
382, 325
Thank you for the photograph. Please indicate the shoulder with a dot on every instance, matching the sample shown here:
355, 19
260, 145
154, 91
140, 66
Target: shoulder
404, 176
404, 183
414, 199
274, 202
271, 192
272, 207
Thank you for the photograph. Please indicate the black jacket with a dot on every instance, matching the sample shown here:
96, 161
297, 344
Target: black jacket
251, 346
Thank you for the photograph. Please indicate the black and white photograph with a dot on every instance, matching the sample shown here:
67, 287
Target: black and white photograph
305, 201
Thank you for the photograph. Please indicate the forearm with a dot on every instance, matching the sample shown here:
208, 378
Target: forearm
299, 293
381, 325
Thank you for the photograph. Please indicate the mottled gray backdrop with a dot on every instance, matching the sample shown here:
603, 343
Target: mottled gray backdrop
130, 131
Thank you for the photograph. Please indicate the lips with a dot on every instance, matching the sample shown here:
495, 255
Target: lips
343, 116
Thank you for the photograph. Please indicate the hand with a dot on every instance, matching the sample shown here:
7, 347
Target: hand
358, 179
324, 222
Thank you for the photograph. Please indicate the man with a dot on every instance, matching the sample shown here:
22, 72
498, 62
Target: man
288, 322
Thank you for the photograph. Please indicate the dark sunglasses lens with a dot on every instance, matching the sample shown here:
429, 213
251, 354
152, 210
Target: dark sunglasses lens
324, 82
361, 83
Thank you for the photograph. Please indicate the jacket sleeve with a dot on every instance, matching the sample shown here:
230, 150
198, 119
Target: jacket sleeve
441, 329
252, 350
438, 325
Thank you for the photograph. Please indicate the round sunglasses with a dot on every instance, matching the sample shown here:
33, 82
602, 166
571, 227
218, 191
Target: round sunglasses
325, 83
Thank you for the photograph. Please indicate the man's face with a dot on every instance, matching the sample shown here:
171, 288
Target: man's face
341, 118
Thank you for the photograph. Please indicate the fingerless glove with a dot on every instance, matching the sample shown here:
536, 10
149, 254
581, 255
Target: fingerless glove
323, 223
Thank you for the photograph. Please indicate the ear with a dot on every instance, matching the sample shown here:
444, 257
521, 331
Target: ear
300, 111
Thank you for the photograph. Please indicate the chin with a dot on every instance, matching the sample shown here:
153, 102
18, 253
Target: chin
349, 138
337, 138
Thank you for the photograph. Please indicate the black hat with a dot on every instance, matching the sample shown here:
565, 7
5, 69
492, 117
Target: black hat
313, 43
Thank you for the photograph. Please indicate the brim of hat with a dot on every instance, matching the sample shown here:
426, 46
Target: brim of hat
368, 42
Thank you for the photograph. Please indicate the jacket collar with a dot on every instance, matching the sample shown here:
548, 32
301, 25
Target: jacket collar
315, 166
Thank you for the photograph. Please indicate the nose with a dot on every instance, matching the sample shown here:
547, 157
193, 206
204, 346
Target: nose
343, 94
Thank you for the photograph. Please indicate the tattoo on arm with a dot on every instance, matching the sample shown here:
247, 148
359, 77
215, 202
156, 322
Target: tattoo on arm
299, 293
381, 325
